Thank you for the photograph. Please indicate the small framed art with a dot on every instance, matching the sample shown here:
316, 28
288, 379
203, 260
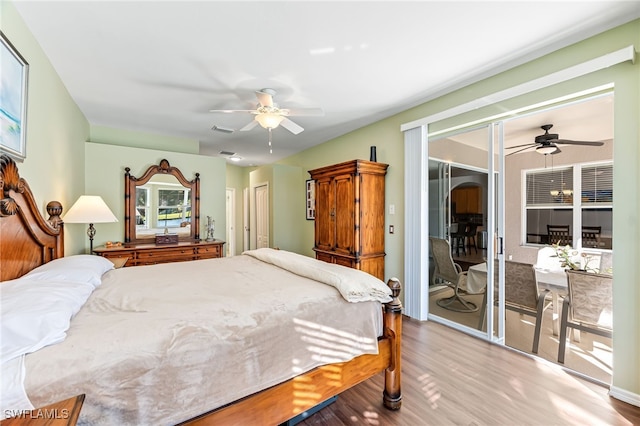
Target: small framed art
13, 100
311, 199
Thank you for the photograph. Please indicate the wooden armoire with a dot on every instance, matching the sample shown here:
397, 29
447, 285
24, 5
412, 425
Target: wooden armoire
349, 222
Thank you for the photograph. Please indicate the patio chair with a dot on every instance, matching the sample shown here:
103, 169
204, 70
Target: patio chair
559, 234
588, 307
451, 273
591, 236
521, 295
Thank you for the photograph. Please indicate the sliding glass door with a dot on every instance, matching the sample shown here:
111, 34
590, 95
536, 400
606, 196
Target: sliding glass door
462, 216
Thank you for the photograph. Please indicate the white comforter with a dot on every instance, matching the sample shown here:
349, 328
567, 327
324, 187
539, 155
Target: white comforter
161, 344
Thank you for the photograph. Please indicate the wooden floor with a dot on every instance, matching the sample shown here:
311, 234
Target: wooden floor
450, 378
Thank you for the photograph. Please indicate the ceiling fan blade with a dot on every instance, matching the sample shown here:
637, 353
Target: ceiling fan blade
251, 125
526, 147
587, 143
520, 146
304, 112
228, 111
291, 126
265, 99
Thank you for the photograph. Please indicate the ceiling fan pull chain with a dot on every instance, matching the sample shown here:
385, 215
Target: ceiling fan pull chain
270, 148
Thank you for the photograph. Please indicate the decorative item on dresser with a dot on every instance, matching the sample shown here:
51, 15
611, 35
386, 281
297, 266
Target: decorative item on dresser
349, 225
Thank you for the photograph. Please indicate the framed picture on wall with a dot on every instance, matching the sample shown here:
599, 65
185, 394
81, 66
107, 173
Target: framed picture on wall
311, 199
13, 100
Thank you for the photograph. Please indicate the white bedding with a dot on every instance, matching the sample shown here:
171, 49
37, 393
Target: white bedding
161, 344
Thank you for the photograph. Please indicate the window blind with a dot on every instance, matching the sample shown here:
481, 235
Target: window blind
597, 184
550, 187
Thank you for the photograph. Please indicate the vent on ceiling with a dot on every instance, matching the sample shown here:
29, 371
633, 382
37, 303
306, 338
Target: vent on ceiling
227, 153
221, 129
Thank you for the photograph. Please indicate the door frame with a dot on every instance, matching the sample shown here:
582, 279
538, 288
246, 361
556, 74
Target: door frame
231, 221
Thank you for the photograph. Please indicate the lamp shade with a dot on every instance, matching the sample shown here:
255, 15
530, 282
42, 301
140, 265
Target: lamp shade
89, 209
269, 120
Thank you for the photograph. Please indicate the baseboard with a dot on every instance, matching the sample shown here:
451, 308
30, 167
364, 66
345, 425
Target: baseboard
625, 396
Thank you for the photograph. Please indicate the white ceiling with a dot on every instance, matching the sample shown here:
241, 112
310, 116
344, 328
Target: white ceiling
160, 66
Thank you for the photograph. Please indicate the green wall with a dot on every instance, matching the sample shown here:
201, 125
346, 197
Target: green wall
108, 135
56, 128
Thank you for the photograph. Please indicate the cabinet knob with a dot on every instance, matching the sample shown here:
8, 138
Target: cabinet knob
333, 212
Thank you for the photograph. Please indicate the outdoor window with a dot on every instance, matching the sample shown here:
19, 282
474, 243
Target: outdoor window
173, 208
551, 205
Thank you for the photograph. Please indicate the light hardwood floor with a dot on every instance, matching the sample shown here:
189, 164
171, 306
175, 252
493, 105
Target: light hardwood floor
450, 378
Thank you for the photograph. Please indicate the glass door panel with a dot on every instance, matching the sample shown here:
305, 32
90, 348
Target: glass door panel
458, 219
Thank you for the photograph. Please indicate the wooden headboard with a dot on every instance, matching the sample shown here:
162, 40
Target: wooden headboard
27, 240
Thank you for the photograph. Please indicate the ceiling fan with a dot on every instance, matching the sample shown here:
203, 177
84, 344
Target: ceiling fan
269, 115
548, 143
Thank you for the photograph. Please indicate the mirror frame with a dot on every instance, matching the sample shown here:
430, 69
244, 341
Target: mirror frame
130, 185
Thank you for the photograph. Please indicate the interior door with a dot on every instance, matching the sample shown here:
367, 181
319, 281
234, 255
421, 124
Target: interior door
246, 237
262, 216
231, 221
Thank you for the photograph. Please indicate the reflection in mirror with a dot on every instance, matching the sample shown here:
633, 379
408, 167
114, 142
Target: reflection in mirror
162, 201
163, 205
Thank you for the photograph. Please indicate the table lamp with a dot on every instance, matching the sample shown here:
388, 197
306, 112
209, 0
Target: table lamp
89, 209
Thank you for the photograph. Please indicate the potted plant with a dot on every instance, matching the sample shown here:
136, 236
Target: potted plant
571, 258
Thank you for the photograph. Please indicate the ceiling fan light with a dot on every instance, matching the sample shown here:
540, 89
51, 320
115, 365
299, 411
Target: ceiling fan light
269, 120
546, 149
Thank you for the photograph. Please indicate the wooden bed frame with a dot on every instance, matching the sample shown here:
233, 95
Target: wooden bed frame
28, 240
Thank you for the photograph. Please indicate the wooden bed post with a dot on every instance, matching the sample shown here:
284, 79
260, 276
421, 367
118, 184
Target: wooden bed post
392, 396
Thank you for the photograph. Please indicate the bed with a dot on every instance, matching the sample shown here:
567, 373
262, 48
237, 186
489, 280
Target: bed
116, 337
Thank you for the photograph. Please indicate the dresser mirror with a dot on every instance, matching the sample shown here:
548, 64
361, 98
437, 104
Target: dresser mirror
161, 202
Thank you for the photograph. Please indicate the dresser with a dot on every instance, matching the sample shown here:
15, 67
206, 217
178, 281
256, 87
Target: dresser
150, 254
349, 222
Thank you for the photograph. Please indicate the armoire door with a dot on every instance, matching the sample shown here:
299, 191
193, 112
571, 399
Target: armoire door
325, 226
345, 205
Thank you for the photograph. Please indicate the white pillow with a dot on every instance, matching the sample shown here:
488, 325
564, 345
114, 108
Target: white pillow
82, 268
37, 313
